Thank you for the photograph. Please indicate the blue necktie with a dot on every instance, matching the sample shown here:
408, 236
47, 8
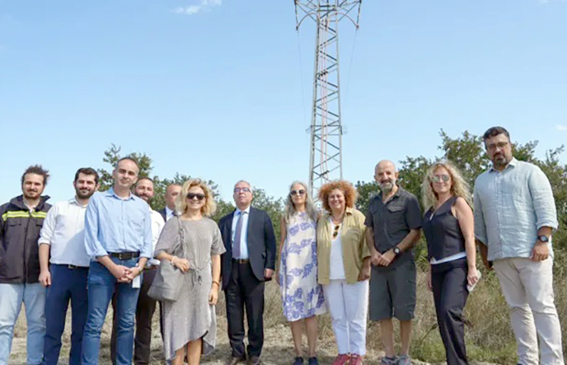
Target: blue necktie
237, 237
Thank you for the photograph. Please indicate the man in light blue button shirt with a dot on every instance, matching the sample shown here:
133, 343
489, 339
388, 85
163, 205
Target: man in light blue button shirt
118, 237
515, 216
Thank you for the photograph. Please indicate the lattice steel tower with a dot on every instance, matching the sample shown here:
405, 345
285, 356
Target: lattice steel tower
325, 163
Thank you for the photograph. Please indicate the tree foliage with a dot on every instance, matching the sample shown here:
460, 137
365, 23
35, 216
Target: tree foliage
467, 152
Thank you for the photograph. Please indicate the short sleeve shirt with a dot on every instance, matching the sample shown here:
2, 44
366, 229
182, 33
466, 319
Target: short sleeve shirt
392, 221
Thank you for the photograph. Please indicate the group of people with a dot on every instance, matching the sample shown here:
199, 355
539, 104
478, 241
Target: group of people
107, 247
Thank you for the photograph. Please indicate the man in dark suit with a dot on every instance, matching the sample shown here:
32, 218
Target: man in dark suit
248, 262
171, 193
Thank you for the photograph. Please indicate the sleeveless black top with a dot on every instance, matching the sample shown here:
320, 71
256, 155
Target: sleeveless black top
442, 232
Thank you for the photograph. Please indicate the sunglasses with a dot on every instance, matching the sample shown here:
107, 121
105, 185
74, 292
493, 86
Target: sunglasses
297, 192
243, 190
192, 196
336, 231
439, 178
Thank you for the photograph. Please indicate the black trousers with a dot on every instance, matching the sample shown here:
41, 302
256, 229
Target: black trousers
245, 291
144, 314
449, 284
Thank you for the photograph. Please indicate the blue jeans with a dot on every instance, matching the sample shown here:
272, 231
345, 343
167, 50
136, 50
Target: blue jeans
66, 284
11, 298
102, 285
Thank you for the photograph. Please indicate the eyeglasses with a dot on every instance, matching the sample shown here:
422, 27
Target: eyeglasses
493, 146
192, 196
297, 192
242, 190
439, 178
336, 231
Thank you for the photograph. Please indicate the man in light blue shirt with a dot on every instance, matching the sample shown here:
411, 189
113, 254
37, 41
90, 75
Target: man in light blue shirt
118, 237
515, 216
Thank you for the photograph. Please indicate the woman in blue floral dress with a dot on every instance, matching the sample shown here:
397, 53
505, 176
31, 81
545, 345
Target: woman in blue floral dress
302, 296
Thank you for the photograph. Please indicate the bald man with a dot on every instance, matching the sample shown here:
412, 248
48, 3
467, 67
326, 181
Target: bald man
394, 223
171, 193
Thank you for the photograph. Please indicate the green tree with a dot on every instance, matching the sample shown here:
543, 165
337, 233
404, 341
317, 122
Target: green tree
467, 152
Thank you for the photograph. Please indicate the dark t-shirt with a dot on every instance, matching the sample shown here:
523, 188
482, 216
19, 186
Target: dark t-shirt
391, 223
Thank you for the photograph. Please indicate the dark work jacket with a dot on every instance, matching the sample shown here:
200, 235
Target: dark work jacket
19, 233
261, 244
443, 232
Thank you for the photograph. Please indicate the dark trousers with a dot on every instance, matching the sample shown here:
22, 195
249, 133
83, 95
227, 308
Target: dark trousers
67, 284
144, 313
449, 283
245, 291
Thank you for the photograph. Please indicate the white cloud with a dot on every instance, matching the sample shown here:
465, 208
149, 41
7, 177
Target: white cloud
561, 127
194, 9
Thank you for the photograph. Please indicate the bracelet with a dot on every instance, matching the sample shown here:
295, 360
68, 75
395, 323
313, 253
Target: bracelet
216, 282
172, 260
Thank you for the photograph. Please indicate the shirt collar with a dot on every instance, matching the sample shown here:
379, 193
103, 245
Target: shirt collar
513, 162
247, 210
74, 200
110, 192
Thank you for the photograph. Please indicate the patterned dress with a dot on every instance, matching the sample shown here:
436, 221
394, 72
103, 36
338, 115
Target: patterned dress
191, 317
302, 296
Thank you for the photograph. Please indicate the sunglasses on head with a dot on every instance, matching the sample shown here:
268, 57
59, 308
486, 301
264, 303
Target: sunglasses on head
297, 192
439, 178
192, 196
336, 231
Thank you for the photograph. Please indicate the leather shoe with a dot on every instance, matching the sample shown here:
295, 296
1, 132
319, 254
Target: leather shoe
235, 360
254, 360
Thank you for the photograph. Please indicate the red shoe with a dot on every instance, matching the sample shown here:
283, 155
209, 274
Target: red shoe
341, 359
356, 360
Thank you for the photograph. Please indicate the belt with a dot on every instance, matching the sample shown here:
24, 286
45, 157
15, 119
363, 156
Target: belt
241, 261
73, 267
124, 255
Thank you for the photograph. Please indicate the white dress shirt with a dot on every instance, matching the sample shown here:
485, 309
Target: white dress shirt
64, 230
243, 233
168, 213
157, 226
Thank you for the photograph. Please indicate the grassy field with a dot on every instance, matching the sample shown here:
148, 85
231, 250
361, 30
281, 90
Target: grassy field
489, 340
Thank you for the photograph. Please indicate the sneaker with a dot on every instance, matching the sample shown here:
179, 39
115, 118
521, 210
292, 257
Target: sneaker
298, 361
356, 359
404, 360
341, 359
313, 361
388, 361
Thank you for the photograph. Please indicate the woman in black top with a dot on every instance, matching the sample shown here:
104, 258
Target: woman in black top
449, 230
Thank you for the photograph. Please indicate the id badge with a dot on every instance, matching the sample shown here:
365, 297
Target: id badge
136, 282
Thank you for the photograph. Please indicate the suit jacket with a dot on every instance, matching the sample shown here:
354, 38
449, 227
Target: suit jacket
163, 214
261, 244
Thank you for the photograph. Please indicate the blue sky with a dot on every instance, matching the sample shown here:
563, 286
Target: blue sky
222, 89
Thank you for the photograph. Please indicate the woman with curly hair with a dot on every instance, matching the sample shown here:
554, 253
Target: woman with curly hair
344, 269
302, 296
448, 225
189, 324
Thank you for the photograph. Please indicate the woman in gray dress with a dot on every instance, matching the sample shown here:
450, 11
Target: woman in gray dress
190, 322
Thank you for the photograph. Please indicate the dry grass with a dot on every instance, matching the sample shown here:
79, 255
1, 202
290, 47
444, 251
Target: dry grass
489, 340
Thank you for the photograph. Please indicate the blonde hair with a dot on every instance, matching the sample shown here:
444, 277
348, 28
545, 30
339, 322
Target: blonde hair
210, 206
289, 208
459, 187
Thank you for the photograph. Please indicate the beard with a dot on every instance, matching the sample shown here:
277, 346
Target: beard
387, 186
500, 160
30, 195
82, 195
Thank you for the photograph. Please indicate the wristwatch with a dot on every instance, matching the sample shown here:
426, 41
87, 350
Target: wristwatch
397, 251
543, 238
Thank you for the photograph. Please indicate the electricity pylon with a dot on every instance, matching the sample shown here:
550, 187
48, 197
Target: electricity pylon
325, 163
